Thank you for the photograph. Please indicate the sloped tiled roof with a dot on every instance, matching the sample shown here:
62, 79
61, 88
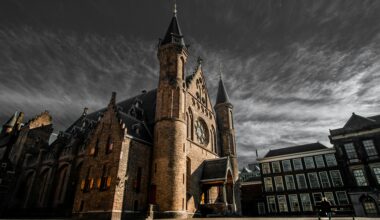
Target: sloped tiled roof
215, 168
357, 123
295, 149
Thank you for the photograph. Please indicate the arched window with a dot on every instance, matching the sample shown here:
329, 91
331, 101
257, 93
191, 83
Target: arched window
190, 126
88, 183
105, 182
24, 188
188, 174
63, 176
44, 183
213, 139
95, 149
183, 67
109, 145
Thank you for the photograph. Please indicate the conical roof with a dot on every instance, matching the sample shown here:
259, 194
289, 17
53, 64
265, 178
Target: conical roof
222, 96
173, 34
12, 121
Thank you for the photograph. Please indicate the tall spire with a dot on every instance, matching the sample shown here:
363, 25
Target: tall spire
173, 34
222, 96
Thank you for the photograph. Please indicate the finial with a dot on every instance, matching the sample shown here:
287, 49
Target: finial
85, 110
199, 61
175, 8
220, 71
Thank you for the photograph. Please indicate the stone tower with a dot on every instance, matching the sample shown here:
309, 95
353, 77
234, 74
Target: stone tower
224, 113
169, 157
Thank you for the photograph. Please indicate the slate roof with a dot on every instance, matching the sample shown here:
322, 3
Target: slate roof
173, 34
295, 149
145, 120
357, 123
215, 168
222, 96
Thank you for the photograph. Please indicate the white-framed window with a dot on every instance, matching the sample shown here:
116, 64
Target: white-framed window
289, 181
297, 164
266, 168
279, 183
376, 173
276, 167
271, 201
301, 181
317, 197
350, 151
336, 178
370, 207
261, 208
286, 166
282, 203
294, 204
342, 197
306, 203
369, 147
360, 178
330, 197
325, 182
268, 184
309, 162
313, 180
319, 161
330, 160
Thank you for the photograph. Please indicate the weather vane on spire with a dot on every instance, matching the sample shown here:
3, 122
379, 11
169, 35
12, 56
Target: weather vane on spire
175, 8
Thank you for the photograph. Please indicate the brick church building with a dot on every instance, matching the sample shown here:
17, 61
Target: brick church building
168, 152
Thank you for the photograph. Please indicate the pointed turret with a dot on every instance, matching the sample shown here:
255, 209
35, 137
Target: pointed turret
173, 34
9, 125
222, 96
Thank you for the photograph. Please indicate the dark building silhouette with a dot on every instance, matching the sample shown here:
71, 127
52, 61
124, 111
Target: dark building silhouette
357, 145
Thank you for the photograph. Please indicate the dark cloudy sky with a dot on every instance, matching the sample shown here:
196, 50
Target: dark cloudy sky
293, 69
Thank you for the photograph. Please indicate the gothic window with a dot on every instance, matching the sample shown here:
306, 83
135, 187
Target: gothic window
213, 139
201, 132
190, 125
95, 149
183, 67
137, 184
109, 145
88, 183
62, 183
24, 188
44, 183
188, 174
105, 181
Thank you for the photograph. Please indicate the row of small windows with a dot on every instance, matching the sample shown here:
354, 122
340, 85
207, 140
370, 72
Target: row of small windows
282, 203
368, 145
361, 178
318, 161
316, 181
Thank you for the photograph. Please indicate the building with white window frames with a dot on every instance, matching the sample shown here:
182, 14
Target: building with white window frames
296, 178
358, 145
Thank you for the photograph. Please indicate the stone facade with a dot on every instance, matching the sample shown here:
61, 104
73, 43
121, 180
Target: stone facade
151, 155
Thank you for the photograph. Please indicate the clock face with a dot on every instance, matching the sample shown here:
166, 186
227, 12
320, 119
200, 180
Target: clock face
201, 132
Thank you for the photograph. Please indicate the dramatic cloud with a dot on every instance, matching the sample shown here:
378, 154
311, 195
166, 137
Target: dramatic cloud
293, 69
